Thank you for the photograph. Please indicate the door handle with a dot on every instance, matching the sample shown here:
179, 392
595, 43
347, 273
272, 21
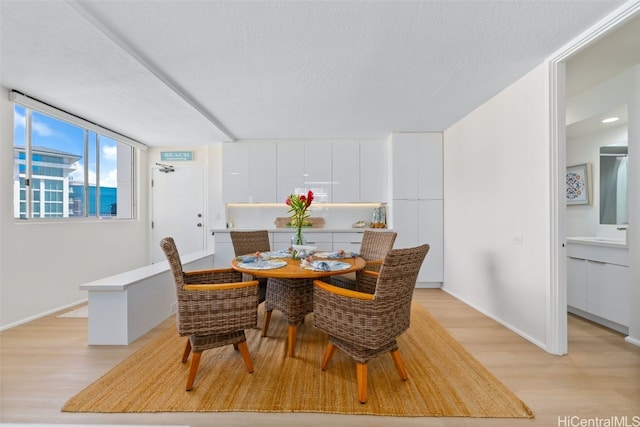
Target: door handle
199, 224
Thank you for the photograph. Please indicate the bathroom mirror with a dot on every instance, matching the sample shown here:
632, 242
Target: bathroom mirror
613, 185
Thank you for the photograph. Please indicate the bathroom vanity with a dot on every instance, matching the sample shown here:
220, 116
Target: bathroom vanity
598, 280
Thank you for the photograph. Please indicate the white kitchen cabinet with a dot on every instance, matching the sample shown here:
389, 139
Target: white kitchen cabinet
262, 173
304, 166
417, 207
320, 239
281, 240
346, 171
290, 168
429, 156
249, 172
374, 171
349, 242
360, 171
405, 223
404, 164
235, 172
418, 222
430, 220
317, 169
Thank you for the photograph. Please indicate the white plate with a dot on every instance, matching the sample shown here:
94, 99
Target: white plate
308, 249
330, 266
262, 265
333, 255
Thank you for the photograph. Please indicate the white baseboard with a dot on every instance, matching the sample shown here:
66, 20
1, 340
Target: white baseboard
429, 285
502, 322
40, 315
632, 340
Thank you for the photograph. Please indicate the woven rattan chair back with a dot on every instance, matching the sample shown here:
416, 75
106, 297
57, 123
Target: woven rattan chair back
372, 324
367, 326
376, 244
246, 242
395, 286
374, 247
206, 312
211, 317
170, 250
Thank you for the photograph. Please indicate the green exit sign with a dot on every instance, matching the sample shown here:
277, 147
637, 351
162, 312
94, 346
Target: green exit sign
176, 155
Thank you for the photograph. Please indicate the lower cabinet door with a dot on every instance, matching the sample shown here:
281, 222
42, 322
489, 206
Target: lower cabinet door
349, 242
430, 222
608, 291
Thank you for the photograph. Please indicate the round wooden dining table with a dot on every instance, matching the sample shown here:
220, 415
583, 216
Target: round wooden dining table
290, 290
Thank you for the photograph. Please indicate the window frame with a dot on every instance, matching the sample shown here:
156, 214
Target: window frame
30, 104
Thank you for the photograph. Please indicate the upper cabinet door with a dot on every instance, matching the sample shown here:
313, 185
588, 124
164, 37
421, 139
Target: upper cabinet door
262, 172
429, 157
290, 168
346, 171
404, 163
249, 172
235, 172
317, 169
374, 171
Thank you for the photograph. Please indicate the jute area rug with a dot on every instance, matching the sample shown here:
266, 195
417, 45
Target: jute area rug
444, 379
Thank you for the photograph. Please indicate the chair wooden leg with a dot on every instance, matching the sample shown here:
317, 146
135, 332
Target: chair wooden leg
361, 375
328, 354
187, 351
293, 329
265, 326
397, 359
244, 351
195, 361
235, 346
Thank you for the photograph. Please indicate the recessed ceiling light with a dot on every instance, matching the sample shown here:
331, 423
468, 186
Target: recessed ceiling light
610, 119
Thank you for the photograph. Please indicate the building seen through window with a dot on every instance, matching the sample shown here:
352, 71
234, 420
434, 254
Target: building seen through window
65, 171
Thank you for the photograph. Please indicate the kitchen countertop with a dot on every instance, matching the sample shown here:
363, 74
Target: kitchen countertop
304, 230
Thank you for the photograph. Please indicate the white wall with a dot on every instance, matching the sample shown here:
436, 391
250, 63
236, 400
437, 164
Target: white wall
497, 226
43, 264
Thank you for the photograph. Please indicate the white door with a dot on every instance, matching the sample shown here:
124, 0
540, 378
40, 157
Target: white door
177, 210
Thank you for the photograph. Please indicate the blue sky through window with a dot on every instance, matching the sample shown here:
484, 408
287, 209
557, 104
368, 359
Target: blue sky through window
52, 133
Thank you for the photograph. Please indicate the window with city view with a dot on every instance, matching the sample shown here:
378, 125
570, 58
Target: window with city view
62, 170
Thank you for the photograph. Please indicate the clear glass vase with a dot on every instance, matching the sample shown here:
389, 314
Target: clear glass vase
297, 239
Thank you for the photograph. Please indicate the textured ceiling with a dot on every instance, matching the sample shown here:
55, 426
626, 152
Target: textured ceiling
177, 72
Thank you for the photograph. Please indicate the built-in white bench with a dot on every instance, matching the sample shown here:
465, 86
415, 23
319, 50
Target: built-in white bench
124, 307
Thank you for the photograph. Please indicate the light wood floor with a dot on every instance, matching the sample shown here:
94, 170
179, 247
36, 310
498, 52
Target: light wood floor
45, 362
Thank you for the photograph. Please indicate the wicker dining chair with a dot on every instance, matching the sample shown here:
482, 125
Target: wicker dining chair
374, 247
247, 242
214, 308
365, 325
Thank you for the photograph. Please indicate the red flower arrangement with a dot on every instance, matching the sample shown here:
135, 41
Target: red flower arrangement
298, 205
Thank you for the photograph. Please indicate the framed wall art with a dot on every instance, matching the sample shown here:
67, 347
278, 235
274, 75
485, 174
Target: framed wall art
579, 184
